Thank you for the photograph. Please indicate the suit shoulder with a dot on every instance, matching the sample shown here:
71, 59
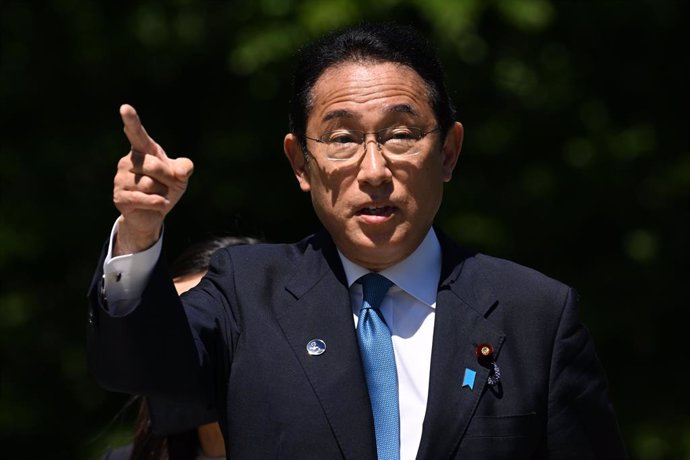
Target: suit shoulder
264, 254
482, 269
273, 260
518, 280
508, 268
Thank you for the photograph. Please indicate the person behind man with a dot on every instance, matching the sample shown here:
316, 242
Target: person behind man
167, 430
375, 337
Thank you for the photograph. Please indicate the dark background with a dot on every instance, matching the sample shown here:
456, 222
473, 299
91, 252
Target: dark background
575, 162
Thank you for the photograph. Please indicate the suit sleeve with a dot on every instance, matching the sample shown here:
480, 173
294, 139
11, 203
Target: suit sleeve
581, 421
156, 349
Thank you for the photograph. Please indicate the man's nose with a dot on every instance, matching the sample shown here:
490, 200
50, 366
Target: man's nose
374, 141
374, 167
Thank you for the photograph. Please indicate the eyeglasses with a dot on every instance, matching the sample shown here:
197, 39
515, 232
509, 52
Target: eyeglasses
343, 144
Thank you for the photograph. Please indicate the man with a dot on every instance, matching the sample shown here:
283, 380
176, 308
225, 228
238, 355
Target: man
463, 356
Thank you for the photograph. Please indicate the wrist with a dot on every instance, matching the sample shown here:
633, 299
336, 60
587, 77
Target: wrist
130, 240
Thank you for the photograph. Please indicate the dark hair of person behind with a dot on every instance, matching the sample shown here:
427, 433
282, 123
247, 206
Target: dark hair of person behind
197, 257
147, 445
368, 42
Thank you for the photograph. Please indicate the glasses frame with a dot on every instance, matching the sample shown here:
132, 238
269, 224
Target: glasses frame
377, 139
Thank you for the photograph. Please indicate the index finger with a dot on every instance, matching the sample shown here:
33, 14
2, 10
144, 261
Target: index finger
135, 132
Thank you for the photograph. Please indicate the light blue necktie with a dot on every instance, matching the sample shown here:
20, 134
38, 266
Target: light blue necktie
376, 349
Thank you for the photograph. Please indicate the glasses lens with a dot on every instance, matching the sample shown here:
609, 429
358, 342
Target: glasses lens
342, 144
400, 140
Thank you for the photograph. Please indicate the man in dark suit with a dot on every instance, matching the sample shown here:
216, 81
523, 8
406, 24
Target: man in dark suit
375, 337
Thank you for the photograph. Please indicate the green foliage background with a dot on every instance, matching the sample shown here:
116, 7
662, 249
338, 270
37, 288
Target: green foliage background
576, 162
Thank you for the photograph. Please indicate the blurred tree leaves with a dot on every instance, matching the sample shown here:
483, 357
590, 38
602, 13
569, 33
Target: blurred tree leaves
575, 162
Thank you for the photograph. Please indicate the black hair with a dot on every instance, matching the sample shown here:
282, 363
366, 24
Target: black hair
197, 256
377, 42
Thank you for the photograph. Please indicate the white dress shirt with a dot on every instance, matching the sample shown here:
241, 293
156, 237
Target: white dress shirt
408, 308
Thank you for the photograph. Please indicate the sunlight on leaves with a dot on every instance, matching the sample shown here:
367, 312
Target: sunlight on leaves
579, 152
527, 15
633, 142
641, 245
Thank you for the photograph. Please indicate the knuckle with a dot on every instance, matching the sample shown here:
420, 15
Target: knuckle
152, 187
158, 202
120, 178
158, 168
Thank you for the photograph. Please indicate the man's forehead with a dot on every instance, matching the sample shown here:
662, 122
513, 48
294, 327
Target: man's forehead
344, 74
390, 108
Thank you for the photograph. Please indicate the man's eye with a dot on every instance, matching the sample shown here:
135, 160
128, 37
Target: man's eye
341, 138
401, 133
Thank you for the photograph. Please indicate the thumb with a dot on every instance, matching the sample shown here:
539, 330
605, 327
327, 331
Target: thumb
183, 168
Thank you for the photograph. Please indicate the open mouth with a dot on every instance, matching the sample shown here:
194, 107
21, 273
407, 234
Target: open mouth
377, 211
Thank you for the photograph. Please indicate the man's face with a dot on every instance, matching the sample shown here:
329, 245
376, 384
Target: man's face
377, 208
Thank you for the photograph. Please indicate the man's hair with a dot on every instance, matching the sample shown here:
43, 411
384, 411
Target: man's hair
368, 42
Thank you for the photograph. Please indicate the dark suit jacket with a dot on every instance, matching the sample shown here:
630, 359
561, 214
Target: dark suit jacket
238, 344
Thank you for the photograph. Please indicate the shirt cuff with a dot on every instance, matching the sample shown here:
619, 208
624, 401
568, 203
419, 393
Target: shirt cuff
125, 277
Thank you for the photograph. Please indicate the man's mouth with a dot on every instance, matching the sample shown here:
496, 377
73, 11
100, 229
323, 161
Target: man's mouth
376, 211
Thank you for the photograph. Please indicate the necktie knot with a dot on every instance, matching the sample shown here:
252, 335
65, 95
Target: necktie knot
374, 288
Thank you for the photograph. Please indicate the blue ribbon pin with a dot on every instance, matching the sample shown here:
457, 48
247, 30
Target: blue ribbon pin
468, 380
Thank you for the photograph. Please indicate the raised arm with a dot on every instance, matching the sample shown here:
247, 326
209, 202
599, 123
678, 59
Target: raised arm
148, 184
139, 339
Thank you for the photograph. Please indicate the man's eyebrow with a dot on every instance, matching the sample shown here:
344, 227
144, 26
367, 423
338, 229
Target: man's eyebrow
339, 114
402, 108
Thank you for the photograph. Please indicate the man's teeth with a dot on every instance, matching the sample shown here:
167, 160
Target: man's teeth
373, 211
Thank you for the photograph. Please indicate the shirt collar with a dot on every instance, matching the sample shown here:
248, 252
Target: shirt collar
418, 274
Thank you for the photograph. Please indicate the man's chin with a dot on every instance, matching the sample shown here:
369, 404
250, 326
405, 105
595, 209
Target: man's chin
374, 253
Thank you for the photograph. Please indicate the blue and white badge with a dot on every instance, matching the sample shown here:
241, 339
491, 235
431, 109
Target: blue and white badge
316, 347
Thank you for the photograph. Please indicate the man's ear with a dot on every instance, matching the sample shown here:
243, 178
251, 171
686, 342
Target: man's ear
298, 160
451, 150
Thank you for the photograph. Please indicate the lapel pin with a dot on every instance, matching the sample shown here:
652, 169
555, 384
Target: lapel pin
468, 379
485, 356
316, 347
485, 352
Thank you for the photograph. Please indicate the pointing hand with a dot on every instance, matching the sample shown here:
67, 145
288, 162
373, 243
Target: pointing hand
147, 186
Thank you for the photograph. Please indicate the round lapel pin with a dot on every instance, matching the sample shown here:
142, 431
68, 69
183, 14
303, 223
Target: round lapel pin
316, 347
484, 352
485, 356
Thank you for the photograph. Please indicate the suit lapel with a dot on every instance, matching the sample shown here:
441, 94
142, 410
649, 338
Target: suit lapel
321, 310
463, 300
